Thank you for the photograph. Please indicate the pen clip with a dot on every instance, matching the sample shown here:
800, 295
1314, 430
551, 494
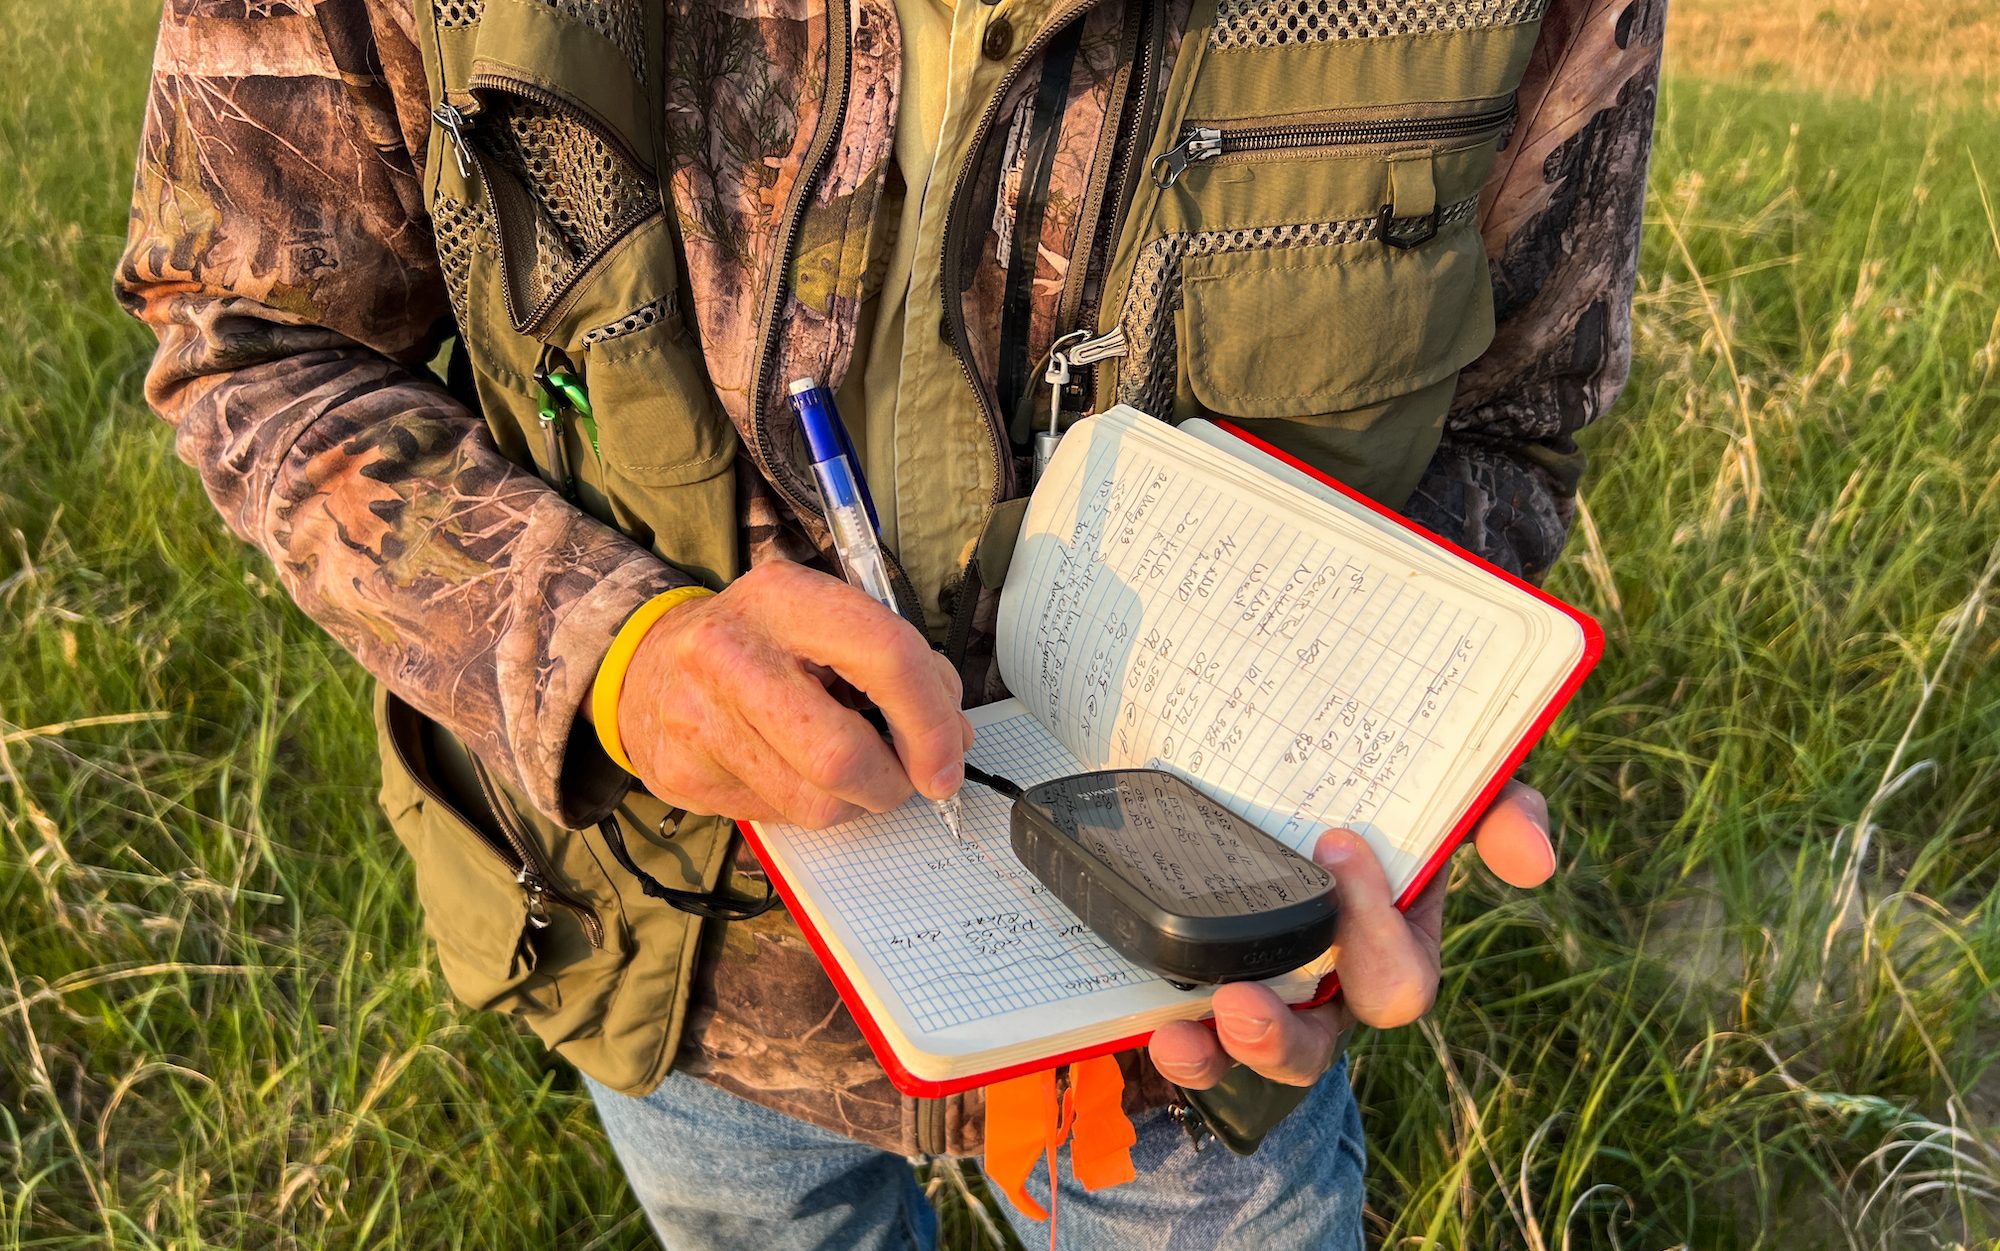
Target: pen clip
860, 479
826, 436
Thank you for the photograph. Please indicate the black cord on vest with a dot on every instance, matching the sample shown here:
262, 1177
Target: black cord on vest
716, 905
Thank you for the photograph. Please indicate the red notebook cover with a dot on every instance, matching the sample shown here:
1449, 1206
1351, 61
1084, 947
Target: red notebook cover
910, 1084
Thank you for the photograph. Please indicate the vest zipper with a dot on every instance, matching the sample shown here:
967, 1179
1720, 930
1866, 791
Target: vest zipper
508, 208
1206, 143
550, 98
1105, 201
530, 872
536, 879
948, 262
802, 495
998, 461
1135, 124
783, 474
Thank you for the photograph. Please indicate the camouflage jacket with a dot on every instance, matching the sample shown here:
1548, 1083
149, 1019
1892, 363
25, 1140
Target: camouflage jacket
282, 248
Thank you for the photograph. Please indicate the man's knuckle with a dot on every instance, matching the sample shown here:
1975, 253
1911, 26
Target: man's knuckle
1404, 998
771, 574
706, 638
906, 648
835, 761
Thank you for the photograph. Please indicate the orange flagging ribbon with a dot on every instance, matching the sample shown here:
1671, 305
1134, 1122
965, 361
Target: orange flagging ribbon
1026, 1121
1100, 1144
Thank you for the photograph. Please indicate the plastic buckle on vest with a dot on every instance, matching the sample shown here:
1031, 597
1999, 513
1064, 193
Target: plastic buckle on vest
1414, 232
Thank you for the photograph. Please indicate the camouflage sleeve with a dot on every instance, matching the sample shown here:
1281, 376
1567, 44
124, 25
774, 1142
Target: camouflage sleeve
279, 248
1561, 219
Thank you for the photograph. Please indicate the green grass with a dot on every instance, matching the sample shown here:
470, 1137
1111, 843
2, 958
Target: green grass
1756, 1009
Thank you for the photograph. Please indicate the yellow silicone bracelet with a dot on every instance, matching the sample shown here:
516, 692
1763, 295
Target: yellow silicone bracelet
610, 682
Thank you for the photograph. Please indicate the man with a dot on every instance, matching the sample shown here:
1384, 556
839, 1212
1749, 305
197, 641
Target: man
637, 221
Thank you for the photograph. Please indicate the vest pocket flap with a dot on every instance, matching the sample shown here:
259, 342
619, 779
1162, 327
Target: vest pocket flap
474, 908
660, 424
1327, 327
590, 57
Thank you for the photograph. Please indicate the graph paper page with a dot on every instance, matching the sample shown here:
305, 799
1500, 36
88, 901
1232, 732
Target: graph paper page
1170, 606
950, 939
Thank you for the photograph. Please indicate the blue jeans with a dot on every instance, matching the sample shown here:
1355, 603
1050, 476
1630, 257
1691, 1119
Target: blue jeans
717, 1173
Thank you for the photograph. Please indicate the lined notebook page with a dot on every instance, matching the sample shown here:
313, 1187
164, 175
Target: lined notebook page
1169, 606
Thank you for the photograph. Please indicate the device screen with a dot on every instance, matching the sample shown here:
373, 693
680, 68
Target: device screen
1179, 848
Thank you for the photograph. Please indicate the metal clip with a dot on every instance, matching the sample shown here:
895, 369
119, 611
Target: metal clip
535, 894
1183, 1114
454, 123
552, 397
1073, 349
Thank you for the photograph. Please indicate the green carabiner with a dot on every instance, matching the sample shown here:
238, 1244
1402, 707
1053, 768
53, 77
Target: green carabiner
553, 448
578, 399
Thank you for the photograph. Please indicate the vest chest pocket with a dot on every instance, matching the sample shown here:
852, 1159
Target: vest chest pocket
1334, 346
1327, 325
1338, 338
561, 258
1303, 257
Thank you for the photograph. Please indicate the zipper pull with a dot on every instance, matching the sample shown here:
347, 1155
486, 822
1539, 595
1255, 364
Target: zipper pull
1201, 143
1105, 346
536, 895
1057, 375
454, 123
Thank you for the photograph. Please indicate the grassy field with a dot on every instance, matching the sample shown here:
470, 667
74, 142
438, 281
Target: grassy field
1756, 1010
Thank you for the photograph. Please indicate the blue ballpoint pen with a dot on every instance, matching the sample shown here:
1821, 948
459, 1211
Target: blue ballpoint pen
850, 514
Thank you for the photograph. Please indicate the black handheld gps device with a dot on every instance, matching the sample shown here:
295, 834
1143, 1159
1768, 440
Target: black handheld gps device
1172, 880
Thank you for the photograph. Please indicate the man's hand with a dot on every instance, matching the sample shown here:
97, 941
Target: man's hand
1387, 960
729, 705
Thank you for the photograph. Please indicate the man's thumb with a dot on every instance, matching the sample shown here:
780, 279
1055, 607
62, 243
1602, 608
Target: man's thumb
1357, 874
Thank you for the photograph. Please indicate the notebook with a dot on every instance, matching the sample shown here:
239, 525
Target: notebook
1184, 598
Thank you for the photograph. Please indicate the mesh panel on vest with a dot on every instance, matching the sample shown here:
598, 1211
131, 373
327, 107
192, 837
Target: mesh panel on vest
461, 229
1152, 347
459, 12
638, 319
586, 194
620, 21
1274, 23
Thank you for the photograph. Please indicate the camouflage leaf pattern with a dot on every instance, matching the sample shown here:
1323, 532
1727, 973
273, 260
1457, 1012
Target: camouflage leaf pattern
278, 248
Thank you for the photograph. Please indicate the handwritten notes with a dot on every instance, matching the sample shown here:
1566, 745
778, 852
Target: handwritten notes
1184, 620
1304, 663
957, 926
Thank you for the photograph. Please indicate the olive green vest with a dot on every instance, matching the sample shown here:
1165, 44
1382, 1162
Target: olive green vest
560, 258
1298, 252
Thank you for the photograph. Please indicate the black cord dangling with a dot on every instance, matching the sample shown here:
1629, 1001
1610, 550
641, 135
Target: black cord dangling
716, 905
